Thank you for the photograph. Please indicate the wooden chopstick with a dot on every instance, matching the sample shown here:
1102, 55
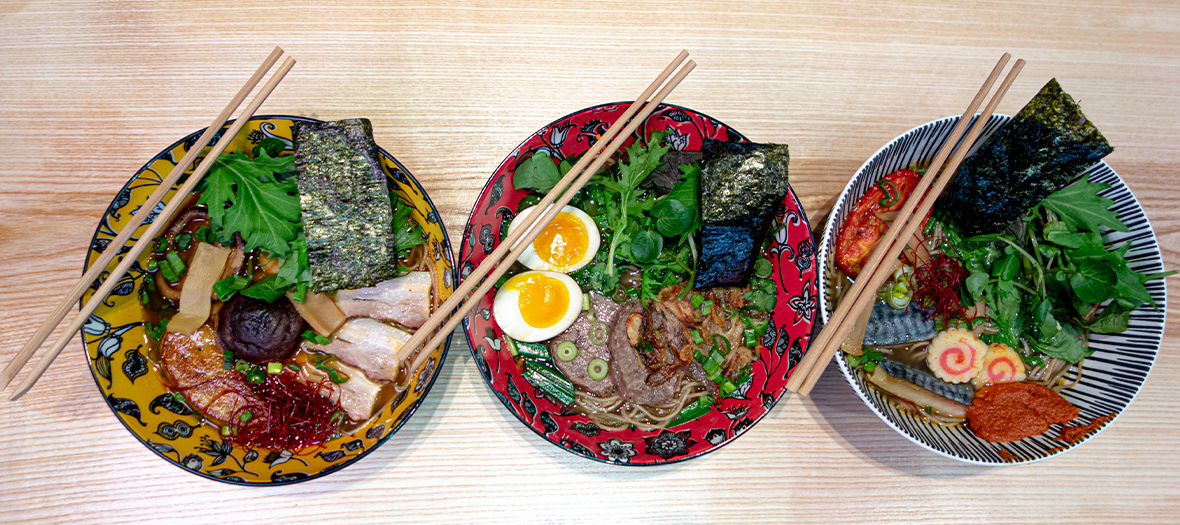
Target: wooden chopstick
134, 221
815, 354
162, 219
891, 246
497, 263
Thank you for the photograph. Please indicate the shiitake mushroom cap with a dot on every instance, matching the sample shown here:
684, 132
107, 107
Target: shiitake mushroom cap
258, 331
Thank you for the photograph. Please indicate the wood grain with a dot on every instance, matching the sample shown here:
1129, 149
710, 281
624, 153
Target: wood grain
90, 90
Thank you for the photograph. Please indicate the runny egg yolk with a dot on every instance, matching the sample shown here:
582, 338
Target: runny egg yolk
563, 242
543, 300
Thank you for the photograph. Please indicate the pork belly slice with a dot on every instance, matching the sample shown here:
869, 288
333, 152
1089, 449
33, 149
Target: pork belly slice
369, 345
357, 397
404, 300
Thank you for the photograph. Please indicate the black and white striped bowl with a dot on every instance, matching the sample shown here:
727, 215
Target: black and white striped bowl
1111, 377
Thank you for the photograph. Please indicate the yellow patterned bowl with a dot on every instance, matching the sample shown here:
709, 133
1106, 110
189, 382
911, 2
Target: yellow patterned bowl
131, 383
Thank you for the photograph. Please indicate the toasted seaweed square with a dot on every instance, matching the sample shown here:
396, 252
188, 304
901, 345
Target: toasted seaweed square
345, 203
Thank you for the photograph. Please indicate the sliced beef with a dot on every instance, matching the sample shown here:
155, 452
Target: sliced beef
627, 368
576, 370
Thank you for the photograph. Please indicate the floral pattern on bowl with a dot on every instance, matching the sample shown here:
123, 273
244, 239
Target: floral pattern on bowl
127, 377
791, 253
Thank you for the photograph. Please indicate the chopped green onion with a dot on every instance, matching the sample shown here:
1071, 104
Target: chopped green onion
177, 397
710, 366
255, 375
853, 361
749, 338
697, 300
293, 367
246, 416
727, 388
548, 381
151, 265
707, 307
717, 357
696, 354
597, 369
703, 405
870, 366
891, 197
928, 409
599, 333
534, 350
168, 271
714, 374
336, 376
161, 244
176, 263
241, 365
337, 418
227, 359
202, 234
511, 346
719, 341
566, 351
183, 241
229, 286
274, 368
585, 302
312, 336
226, 430
696, 337
300, 295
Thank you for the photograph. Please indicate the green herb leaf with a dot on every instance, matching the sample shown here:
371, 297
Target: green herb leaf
646, 246
537, 172
1114, 319
272, 146
1065, 345
1094, 281
672, 217
976, 284
263, 209
763, 268
1081, 208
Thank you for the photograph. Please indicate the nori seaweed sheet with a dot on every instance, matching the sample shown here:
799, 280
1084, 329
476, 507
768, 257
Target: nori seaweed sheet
742, 186
1045, 148
344, 197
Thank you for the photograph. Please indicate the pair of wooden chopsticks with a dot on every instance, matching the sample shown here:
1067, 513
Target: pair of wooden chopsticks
878, 268
510, 248
134, 222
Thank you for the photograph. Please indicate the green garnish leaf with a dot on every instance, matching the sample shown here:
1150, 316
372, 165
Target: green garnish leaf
1095, 281
537, 172
672, 217
646, 246
244, 197
269, 289
1081, 208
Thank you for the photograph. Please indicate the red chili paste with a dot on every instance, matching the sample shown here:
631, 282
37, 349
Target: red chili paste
1013, 411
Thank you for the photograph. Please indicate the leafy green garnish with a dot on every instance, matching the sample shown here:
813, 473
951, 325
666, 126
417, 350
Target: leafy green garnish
538, 172
268, 289
407, 233
1081, 208
245, 197
226, 288
1049, 279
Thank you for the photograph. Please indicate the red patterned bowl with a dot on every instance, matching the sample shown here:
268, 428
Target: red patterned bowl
791, 253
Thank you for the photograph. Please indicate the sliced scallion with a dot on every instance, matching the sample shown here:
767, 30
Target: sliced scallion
566, 351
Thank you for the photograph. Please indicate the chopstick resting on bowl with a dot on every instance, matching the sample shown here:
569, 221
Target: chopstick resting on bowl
511, 247
135, 221
921, 201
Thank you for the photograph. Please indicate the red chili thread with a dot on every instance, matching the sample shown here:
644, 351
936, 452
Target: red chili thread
938, 284
296, 416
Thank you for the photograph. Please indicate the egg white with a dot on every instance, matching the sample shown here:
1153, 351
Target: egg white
532, 261
506, 309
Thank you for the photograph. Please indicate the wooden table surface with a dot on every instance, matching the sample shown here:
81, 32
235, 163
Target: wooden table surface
90, 90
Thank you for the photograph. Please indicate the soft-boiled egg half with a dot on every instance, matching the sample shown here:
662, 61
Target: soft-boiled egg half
537, 305
567, 244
